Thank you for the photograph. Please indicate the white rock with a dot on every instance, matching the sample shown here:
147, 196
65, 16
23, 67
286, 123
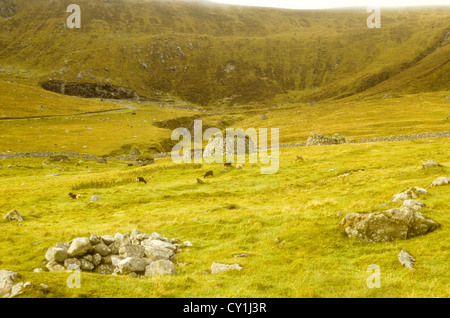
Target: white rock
217, 268
7, 280
187, 243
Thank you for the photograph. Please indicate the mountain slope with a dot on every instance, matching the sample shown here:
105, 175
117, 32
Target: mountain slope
207, 53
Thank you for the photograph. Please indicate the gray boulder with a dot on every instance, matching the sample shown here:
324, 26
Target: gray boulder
414, 204
155, 254
406, 259
108, 239
79, 247
160, 267
128, 250
7, 280
57, 254
53, 266
430, 164
217, 268
398, 223
157, 244
440, 181
411, 193
104, 269
102, 249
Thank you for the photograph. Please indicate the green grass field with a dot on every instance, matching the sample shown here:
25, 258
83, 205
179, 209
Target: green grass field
288, 222
306, 71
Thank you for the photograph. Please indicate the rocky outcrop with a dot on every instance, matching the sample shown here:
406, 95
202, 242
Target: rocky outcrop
90, 90
398, 223
440, 181
136, 254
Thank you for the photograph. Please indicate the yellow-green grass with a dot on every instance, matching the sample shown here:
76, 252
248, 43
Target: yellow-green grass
358, 117
95, 133
18, 100
287, 221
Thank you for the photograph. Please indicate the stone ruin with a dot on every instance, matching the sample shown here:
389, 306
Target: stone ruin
321, 140
219, 146
134, 254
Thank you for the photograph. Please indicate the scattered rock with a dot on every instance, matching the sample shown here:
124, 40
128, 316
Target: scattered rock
188, 244
217, 268
429, 164
406, 259
398, 223
7, 280
414, 204
411, 193
13, 215
96, 198
160, 267
440, 181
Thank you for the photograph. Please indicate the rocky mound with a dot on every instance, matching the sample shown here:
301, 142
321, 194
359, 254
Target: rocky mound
134, 254
398, 223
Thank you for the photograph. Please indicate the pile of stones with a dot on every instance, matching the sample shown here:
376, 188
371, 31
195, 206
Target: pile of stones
398, 223
134, 254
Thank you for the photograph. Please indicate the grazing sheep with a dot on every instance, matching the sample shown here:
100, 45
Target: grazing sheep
300, 158
141, 179
239, 166
200, 181
209, 173
227, 164
78, 196
72, 196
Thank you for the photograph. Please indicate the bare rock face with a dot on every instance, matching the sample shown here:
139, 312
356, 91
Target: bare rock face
398, 223
429, 164
217, 268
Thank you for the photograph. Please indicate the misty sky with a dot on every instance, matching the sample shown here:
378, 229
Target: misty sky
322, 4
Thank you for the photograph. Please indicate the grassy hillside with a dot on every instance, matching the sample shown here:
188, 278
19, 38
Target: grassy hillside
206, 53
287, 222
